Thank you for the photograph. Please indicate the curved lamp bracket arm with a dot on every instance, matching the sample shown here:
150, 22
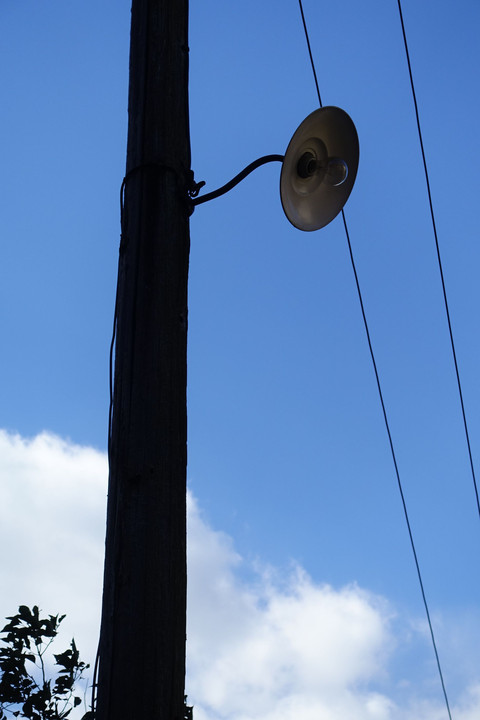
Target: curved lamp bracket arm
238, 178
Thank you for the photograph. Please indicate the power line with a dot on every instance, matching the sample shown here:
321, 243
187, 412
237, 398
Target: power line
397, 472
310, 52
385, 417
437, 246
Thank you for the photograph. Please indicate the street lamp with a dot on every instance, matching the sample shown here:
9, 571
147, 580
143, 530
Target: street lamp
318, 170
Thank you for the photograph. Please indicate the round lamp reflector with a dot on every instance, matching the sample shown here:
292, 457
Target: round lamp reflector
319, 168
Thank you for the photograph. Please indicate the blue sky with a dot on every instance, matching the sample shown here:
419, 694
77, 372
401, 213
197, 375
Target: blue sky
288, 454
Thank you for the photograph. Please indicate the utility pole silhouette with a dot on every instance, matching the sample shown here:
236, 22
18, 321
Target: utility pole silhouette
141, 671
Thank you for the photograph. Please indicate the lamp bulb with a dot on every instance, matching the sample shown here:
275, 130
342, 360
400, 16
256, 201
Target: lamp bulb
337, 172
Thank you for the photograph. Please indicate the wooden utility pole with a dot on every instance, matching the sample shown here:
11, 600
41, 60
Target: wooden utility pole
142, 644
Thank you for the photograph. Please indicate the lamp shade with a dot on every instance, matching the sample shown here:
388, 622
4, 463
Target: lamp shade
319, 168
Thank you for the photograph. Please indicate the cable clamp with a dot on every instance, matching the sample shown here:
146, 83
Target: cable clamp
193, 188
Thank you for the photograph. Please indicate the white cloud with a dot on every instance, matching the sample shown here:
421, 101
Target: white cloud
280, 649
277, 647
52, 528
283, 646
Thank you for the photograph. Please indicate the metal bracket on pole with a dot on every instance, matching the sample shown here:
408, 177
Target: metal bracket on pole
194, 200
